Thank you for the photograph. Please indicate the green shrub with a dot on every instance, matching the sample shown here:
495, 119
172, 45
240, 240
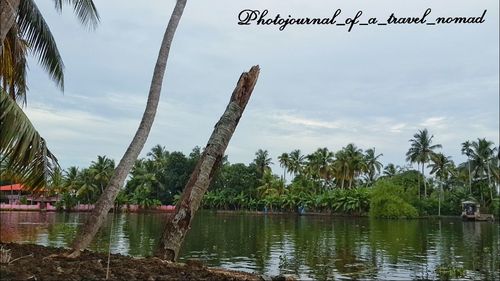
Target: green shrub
387, 202
23, 200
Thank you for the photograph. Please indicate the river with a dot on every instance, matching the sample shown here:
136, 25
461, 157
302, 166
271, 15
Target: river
312, 247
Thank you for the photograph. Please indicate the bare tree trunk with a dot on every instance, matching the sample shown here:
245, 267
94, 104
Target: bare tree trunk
177, 226
94, 221
425, 184
470, 178
8, 13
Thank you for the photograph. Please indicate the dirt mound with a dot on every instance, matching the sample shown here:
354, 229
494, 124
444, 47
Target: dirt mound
92, 266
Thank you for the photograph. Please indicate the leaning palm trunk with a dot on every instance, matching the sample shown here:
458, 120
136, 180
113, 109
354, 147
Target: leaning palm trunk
8, 13
177, 226
87, 232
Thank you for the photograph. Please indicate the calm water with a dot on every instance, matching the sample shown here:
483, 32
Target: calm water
322, 248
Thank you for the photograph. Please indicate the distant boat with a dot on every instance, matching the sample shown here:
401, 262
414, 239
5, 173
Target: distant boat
471, 212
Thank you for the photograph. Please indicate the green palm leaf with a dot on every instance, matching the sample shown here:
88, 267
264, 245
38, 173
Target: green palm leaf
85, 10
22, 148
37, 34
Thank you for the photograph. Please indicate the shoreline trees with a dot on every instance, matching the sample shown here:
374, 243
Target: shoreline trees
238, 186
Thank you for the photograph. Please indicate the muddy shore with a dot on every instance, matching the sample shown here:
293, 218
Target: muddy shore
35, 264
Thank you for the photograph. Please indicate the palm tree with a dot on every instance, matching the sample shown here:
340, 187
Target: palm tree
71, 180
421, 150
467, 150
284, 160
355, 163
442, 166
372, 164
262, 161
102, 169
158, 154
390, 170
319, 164
341, 167
94, 221
483, 161
296, 162
22, 30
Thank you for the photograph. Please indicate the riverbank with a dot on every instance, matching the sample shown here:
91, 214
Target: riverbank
32, 262
323, 214
82, 208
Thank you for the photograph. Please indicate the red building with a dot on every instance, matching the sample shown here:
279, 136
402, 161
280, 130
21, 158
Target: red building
14, 192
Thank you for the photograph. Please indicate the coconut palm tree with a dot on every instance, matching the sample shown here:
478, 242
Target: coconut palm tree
483, 161
262, 161
443, 167
94, 221
467, 150
355, 163
390, 170
23, 30
284, 160
102, 169
341, 167
158, 154
421, 150
296, 162
373, 166
319, 164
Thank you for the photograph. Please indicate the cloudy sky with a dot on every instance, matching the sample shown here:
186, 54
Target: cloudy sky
320, 86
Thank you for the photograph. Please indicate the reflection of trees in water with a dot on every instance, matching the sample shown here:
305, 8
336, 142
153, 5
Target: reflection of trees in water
320, 248
24, 226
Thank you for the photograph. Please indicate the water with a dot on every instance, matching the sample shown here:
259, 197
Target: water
319, 248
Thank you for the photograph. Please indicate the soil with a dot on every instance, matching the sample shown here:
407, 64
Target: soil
36, 264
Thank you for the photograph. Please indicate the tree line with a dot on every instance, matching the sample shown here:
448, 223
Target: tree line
344, 181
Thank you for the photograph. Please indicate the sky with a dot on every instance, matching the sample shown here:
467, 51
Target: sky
319, 86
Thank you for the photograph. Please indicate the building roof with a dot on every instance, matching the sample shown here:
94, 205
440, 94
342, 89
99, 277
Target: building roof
14, 187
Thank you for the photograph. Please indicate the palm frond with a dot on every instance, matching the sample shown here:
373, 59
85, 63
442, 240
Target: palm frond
22, 149
85, 10
36, 32
13, 66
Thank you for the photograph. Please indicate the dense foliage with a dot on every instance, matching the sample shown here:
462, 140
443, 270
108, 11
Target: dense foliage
349, 181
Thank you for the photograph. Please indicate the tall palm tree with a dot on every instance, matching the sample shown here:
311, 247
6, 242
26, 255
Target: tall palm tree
483, 161
355, 162
373, 166
94, 221
102, 169
467, 150
442, 166
319, 164
341, 167
296, 162
421, 150
71, 180
284, 160
262, 161
23, 30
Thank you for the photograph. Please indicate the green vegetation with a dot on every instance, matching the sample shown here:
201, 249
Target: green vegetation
22, 149
349, 181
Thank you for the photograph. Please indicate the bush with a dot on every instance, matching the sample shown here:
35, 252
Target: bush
388, 202
23, 200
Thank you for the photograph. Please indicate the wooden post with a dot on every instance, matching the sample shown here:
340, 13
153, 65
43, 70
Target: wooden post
178, 225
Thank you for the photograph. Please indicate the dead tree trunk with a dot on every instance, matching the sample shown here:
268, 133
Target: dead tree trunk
177, 225
94, 221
